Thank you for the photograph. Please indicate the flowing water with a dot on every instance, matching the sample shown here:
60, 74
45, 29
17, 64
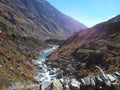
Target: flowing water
47, 52
44, 73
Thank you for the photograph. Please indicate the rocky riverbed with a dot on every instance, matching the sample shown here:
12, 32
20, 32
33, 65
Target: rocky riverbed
107, 82
45, 74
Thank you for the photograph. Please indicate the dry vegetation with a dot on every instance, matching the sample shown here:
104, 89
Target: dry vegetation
99, 45
16, 53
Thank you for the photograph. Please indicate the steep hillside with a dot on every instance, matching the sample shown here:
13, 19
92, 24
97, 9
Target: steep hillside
24, 24
99, 45
16, 54
36, 18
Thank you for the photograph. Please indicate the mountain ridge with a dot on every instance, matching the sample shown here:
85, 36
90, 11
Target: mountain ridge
99, 45
24, 27
38, 19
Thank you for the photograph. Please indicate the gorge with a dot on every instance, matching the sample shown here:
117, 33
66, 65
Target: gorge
43, 49
79, 72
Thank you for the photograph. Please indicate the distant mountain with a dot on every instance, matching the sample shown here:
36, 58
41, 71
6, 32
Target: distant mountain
99, 45
36, 18
100, 31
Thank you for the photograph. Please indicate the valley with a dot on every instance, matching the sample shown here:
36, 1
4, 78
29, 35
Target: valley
43, 49
24, 27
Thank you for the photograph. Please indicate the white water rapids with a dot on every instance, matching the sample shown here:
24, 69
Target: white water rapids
46, 73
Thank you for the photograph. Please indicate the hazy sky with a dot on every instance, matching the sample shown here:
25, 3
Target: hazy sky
89, 12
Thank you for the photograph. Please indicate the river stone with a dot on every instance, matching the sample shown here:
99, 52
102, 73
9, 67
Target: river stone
87, 81
45, 85
74, 85
116, 86
57, 85
111, 78
92, 82
82, 81
98, 79
117, 74
99, 83
61, 80
108, 84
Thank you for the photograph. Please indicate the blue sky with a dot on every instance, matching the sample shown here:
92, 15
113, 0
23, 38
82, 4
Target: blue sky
88, 12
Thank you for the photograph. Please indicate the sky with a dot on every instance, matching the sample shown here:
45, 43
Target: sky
88, 12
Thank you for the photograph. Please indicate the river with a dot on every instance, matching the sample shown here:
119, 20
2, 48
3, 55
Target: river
47, 52
46, 73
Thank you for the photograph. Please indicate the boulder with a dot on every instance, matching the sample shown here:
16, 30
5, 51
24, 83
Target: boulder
87, 81
87, 84
111, 78
45, 85
116, 86
57, 85
74, 85
117, 74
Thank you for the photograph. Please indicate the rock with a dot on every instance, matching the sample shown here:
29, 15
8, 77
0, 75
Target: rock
116, 86
92, 82
99, 83
57, 85
87, 84
74, 85
52, 73
66, 86
117, 74
59, 75
66, 83
83, 81
12, 69
98, 79
87, 81
110, 77
22, 73
106, 83
110, 82
45, 85
0, 66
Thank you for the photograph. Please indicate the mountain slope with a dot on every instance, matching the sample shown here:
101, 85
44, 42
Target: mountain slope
23, 26
36, 18
99, 45
16, 55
